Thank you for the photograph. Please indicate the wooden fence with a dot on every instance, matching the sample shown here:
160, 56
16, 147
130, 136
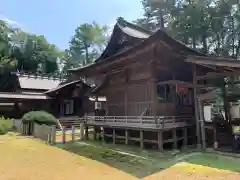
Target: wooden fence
76, 132
44, 132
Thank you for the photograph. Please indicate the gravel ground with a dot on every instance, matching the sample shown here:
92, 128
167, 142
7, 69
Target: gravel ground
28, 159
25, 158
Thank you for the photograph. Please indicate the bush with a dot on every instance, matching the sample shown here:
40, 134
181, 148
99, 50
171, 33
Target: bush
40, 117
6, 125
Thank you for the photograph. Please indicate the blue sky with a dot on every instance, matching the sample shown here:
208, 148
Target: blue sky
57, 19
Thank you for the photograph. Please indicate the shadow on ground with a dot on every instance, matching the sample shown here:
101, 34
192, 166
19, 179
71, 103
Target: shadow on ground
132, 160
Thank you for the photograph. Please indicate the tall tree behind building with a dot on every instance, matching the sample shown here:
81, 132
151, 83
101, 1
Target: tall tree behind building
211, 26
87, 43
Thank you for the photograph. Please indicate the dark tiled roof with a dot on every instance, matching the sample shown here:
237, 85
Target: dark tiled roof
145, 37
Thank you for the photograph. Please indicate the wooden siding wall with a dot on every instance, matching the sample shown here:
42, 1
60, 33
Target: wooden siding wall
139, 98
129, 92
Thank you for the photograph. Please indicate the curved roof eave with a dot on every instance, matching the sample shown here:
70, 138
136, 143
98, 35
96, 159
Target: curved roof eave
159, 35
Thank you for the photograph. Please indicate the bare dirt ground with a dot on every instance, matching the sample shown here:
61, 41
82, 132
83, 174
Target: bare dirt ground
24, 158
28, 159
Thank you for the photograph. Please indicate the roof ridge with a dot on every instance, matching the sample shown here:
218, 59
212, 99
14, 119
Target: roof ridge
123, 22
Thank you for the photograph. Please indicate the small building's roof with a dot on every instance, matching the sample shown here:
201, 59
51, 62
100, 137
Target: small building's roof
65, 85
23, 96
37, 82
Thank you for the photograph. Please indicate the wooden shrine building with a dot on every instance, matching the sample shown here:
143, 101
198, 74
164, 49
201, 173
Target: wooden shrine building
22, 93
150, 82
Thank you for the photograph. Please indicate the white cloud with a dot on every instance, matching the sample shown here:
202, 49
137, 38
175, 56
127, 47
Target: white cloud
14, 24
9, 21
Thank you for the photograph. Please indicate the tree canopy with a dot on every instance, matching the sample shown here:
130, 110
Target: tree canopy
211, 26
20, 51
87, 43
31, 53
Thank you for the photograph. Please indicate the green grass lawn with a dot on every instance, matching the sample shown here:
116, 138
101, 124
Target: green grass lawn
216, 161
141, 163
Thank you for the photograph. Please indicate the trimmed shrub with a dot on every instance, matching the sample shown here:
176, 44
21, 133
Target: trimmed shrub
40, 117
6, 125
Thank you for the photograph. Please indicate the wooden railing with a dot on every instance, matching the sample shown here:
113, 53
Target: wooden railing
146, 122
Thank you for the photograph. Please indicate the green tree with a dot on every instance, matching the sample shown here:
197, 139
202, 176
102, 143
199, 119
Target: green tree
211, 26
26, 52
88, 42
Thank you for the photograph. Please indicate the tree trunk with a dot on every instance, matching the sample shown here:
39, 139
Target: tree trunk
204, 41
161, 19
194, 42
218, 45
86, 55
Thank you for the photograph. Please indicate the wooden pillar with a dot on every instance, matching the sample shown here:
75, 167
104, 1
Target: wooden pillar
126, 94
73, 133
153, 86
86, 133
126, 136
103, 135
203, 133
94, 134
215, 142
160, 140
114, 136
81, 131
53, 134
141, 139
196, 108
185, 137
63, 134
175, 145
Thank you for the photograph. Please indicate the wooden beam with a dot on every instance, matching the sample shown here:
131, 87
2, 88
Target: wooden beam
214, 75
181, 83
215, 61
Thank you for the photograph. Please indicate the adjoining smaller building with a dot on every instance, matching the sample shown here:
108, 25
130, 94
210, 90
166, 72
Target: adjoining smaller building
28, 92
